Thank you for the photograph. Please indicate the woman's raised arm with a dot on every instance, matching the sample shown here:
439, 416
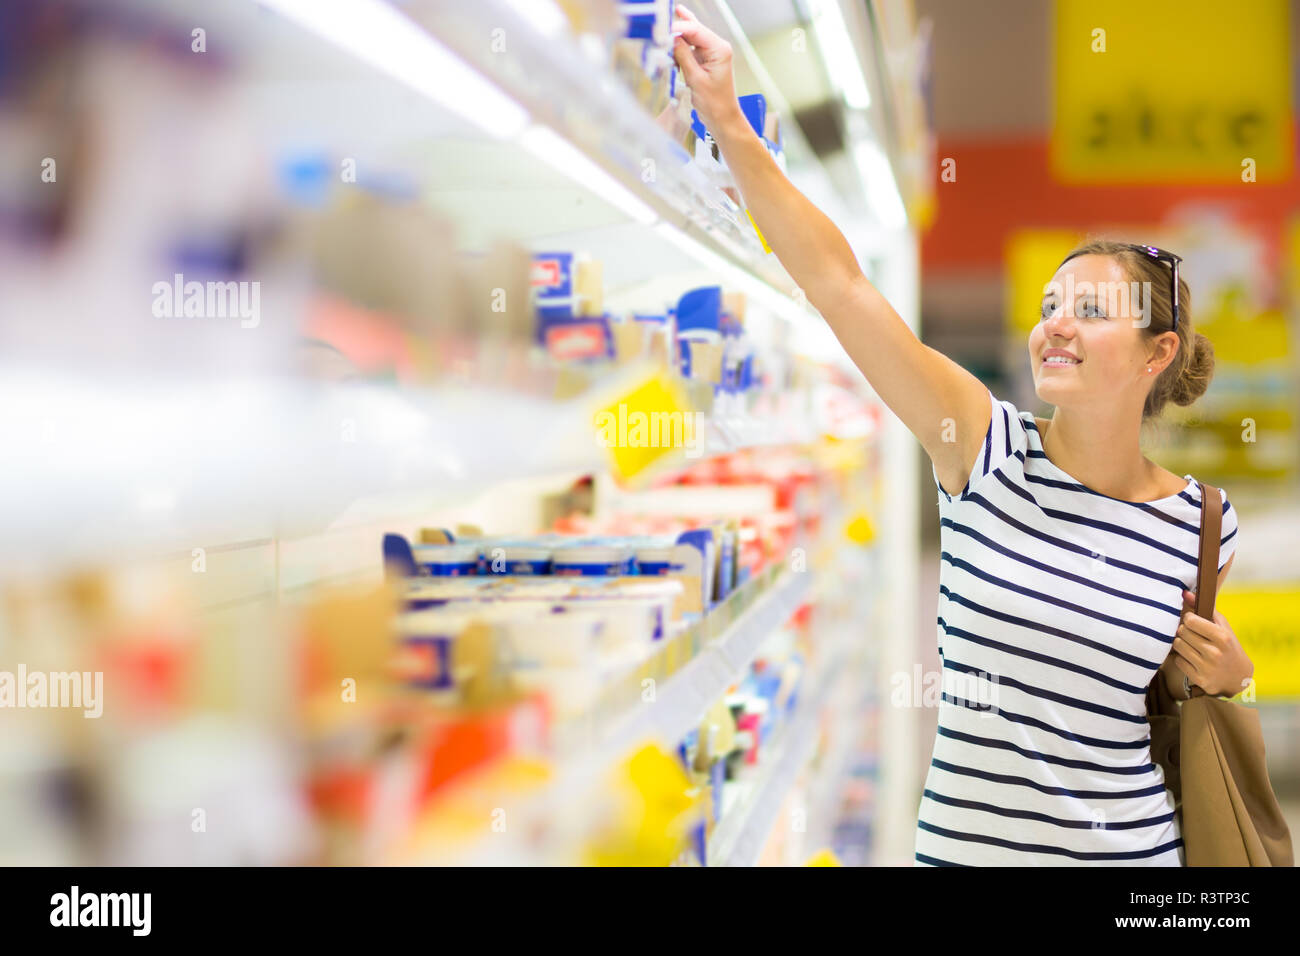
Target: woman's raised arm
924, 388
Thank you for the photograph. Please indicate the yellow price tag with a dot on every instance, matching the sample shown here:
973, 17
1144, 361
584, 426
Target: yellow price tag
860, 530
824, 858
649, 425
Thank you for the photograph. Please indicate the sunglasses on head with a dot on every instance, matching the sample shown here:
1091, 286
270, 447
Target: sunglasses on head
1160, 255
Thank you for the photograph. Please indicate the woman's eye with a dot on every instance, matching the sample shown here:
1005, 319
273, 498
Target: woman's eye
1047, 309
1090, 310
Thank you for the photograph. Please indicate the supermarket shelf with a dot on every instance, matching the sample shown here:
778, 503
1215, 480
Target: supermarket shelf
733, 433
730, 636
200, 463
186, 456
184, 464
742, 833
564, 87
552, 103
824, 801
684, 697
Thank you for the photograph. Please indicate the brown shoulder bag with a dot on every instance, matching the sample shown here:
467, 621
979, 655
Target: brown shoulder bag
1212, 750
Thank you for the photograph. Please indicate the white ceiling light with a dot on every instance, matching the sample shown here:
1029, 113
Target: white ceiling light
388, 40
837, 50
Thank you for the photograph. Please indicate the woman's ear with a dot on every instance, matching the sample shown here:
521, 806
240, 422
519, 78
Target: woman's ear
1166, 348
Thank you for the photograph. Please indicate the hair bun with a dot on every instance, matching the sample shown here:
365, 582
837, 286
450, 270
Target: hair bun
1196, 375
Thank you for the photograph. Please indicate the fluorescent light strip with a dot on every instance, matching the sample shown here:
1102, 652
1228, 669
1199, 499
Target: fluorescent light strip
557, 152
388, 40
841, 59
878, 180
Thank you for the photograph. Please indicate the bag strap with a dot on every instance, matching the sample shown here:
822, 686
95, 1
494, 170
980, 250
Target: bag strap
1207, 566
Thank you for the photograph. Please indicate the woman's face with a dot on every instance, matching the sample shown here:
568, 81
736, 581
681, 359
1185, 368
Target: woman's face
1089, 313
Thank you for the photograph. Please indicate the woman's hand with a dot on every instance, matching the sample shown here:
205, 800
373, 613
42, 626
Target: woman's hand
1209, 653
705, 61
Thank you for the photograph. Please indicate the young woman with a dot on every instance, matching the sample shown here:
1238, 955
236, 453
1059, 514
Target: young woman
1067, 556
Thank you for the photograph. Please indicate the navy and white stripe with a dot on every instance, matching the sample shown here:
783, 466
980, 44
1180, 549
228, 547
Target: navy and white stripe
1056, 605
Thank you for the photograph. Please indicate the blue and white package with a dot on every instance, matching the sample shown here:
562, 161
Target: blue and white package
551, 279
702, 540
592, 559
426, 639
648, 20
516, 557
726, 562
656, 556
447, 560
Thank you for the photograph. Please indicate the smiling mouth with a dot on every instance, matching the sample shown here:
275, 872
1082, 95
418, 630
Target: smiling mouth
1059, 362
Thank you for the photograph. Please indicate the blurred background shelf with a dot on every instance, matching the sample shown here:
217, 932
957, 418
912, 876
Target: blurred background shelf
201, 498
180, 465
543, 145
727, 639
745, 826
730, 638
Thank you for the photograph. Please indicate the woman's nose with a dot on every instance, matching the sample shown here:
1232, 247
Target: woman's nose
1059, 323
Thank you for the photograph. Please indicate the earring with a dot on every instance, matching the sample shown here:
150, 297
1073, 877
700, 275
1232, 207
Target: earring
1148, 368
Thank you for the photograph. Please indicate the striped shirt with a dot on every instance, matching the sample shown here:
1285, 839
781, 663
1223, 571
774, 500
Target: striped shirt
1056, 606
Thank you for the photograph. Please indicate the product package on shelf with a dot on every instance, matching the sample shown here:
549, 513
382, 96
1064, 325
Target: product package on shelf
691, 378
568, 567
467, 316
568, 295
648, 19
739, 729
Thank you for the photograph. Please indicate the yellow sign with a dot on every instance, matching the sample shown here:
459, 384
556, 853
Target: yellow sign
1197, 91
652, 808
1266, 619
649, 425
1032, 257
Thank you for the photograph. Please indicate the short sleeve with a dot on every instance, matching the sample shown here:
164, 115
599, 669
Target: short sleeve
1227, 531
1005, 437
